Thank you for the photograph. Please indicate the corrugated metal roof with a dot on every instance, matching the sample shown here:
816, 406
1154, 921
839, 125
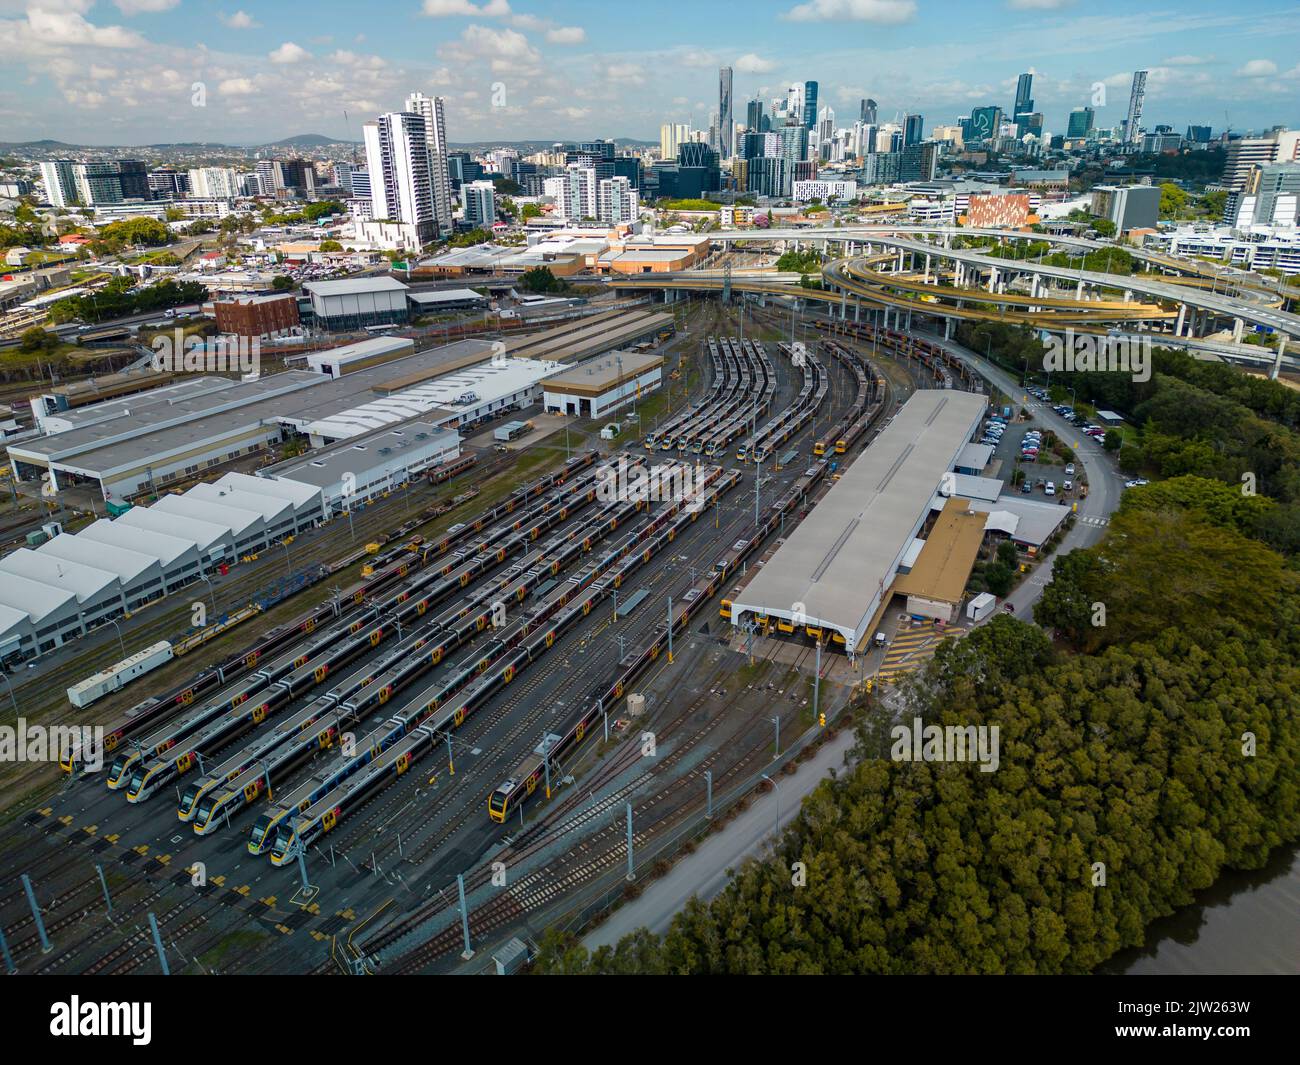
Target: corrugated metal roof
232, 519
271, 509
835, 567
166, 548
126, 563
33, 598
201, 533
349, 286
85, 582
298, 494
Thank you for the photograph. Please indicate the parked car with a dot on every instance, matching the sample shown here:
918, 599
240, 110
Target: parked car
1049, 489
1026, 488
1066, 485
1069, 469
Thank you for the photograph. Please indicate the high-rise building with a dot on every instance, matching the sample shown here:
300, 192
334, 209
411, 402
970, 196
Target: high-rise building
913, 129
168, 184
918, 162
754, 116
1271, 197
574, 192
1280, 146
617, 201
867, 112
768, 176
134, 178
60, 182
401, 180
1128, 206
1133, 124
1023, 100
478, 199
810, 105
984, 123
825, 131
726, 123
431, 109
1080, 124
214, 182
671, 136
1198, 134
97, 183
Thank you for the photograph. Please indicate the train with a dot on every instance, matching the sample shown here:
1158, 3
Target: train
388, 751
514, 791
117, 676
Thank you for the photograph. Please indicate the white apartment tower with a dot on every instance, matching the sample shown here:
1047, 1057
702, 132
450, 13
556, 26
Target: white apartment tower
618, 201
574, 192
60, 184
401, 180
479, 201
211, 182
431, 109
672, 135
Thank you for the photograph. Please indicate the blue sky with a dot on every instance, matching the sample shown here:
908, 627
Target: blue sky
126, 71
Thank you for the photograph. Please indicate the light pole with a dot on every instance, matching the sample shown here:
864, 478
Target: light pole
778, 800
288, 565
211, 591
121, 645
9, 684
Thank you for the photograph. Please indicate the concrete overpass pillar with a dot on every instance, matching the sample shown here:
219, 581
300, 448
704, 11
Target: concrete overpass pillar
857, 310
1277, 363
947, 329
1078, 291
909, 321
927, 269
1238, 327
1182, 317
844, 303
900, 260
1128, 295
993, 280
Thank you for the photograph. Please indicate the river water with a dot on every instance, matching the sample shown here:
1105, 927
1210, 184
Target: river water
1245, 923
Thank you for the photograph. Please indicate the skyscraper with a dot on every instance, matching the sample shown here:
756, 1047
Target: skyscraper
478, 198
1024, 101
1080, 124
868, 112
616, 201
401, 180
672, 135
60, 183
1132, 124
810, 105
726, 122
754, 116
435, 125
913, 129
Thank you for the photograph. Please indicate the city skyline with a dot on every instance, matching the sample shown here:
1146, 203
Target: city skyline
129, 72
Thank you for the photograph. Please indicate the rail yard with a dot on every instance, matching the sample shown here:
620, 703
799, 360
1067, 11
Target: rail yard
489, 721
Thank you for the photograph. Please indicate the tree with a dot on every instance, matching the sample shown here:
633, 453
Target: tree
540, 279
1173, 200
283, 283
1113, 440
330, 245
37, 339
531, 210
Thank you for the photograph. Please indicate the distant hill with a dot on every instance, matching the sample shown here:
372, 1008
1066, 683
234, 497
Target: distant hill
305, 140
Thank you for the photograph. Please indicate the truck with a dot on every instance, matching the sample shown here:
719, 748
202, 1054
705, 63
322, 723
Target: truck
981, 607
117, 507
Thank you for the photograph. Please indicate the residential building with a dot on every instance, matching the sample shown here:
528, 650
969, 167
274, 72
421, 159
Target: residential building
401, 180
478, 199
432, 110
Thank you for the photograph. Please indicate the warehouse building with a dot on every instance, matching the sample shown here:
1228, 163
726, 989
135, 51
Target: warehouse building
212, 541
446, 301
52, 614
245, 530
139, 576
306, 501
178, 558
17, 634
357, 303
98, 593
360, 468
278, 517
598, 387
935, 583
361, 356
258, 316
834, 571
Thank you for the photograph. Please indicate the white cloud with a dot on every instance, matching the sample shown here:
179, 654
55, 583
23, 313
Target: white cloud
240, 20
142, 7
289, 53
1258, 68
749, 63
507, 51
352, 59
1186, 60
452, 8
45, 29
698, 59
1038, 5
236, 87
566, 35
885, 12
624, 73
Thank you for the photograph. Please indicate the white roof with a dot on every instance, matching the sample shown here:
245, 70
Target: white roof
968, 486
1034, 520
489, 382
447, 295
33, 598
912, 553
271, 509
975, 456
299, 495
234, 520
834, 568
202, 534
167, 549
127, 564
12, 619
348, 286
85, 582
